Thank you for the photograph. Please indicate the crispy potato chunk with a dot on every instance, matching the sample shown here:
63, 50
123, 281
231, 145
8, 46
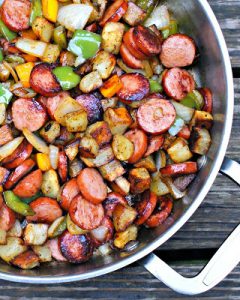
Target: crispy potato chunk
179, 151
26, 261
104, 63
71, 149
43, 29
104, 156
90, 82
123, 216
13, 247
76, 121
201, 119
200, 141
16, 230
147, 163
88, 147
35, 234
112, 170
51, 54
118, 119
100, 132
50, 184
43, 252
112, 35
123, 148
134, 14
121, 185
122, 238
140, 180
50, 131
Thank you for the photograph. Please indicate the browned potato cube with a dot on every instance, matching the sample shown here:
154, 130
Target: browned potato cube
71, 149
112, 170
123, 148
122, 238
169, 139
134, 14
100, 132
121, 185
50, 131
43, 252
118, 119
26, 261
75, 168
201, 119
88, 147
51, 54
200, 141
179, 151
140, 180
147, 163
67, 58
112, 35
3, 237
123, 216
90, 82
76, 121
43, 29
104, 156
109, 103
13, 247
35, 234
104, 63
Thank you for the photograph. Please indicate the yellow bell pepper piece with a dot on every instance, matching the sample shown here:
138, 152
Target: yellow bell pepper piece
111, 86
24, 71
1, 188
43, 161
50, 9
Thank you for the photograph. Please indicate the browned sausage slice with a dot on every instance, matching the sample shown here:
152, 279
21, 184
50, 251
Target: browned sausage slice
145, 207
86, 215
19, 172
16, 14
177, 83
131, 45
146, 40
46, 210
43, 81
188, 167
7, 217
139, 140
154, 144
53, 102
114, 12
156, 116
29, 185
208, 99
91, 185
135, 87
28, 113
54, 247
92, 106
69, 191
111, 202
178, 50
103, 233
76, 248
129, 59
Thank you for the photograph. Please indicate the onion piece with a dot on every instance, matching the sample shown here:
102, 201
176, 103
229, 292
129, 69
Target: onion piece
174, 191
53, 156
100, 233
32, 47
2, 113
105, 249
159, 17
10, 147
184, 112
11, 70
34, 140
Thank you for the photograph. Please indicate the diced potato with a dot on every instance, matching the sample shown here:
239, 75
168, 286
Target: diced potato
57, 227
43, 29
174, 191
179, 151
71, 149
50, 184
73, 228
67, 58
201, 119
35, 48
3, 237
51, 54
109, 103
2, 110
104, 63
43, 252
118, 119
13, 247
112, 170
100, 132
88, 147
122, 238
140, 180
16, 230
90, 82
75, 168
35, 234
67, 106
76, 121
50, 131
112, 35
123, 148
158, 187
200, 141
121, 185
134, 14
147, 163
105, 155
123, 216
26, 261
168, 140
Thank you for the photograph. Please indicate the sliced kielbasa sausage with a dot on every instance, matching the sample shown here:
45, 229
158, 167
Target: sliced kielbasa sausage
16, 14
54, 247
178, 50
146, 40
114, 12
156, 116
145, 207
154, 144
53, 102
69, 191
43, 81
76, 248
111, 202
129, 59
7, 217
28, 113
86, 215
208, 99
91, 185
62, 166
188, 167
131, 45
92, 105
177, 83
29, 185
135, 87
46, 210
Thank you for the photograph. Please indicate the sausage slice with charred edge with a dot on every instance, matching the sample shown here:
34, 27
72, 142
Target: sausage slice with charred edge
188, 167
54, 247
92, 186
154, 144
145, 207
156, 116
114, 12
111, 202
76, 248
43, 81
178, 50
129, 59
86, 215
208, 99
46, 210
131, 45
135, 87
177, 83
7, 217
139, 140
16, 14
62, 166
69, 191
53, 102
28, 113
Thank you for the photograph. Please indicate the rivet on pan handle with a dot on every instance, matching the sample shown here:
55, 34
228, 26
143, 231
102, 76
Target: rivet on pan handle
221, 264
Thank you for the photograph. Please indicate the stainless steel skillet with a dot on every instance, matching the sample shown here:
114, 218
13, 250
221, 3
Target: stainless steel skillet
214, 70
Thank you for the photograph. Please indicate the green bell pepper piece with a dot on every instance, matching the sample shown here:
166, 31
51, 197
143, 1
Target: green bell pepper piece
36, 10
84, 43
6, 32
5, 95
193, 100
59, 37
66, 77
1, 55
155, 87
176, 127
172, 29
147, 5
31, 199
17, 205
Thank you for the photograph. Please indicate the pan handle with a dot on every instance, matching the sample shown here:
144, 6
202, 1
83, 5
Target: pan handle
221, 264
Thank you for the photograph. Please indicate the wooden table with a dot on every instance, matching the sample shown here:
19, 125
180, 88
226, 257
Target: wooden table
195, 243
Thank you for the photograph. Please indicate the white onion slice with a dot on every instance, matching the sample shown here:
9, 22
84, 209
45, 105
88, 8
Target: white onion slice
159, 17
35, 48
53, 156
105, 249
34, 140
100, 233
10, 147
